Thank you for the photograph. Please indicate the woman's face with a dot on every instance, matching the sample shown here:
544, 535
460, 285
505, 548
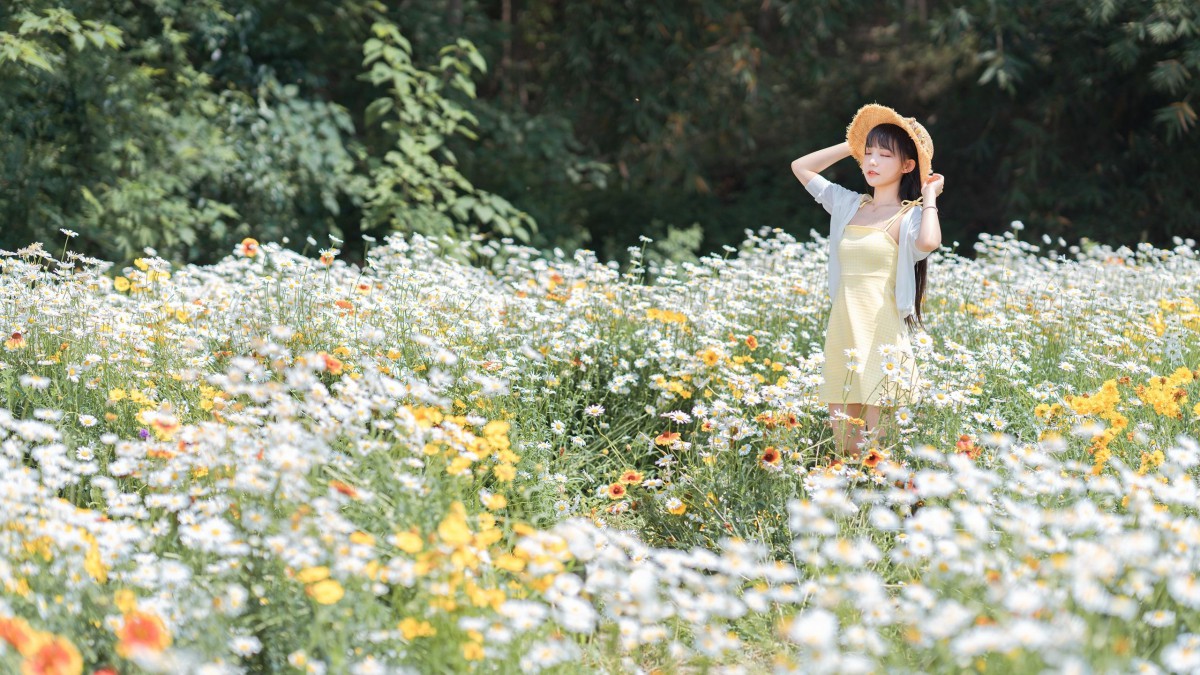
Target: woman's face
881, 166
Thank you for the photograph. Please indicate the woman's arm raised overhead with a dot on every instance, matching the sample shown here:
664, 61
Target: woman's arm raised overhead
817, 161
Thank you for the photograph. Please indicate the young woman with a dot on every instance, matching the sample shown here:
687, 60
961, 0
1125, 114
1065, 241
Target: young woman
878, 244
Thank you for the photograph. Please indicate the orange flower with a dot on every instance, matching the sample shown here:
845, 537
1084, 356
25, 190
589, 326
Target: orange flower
52, 655
967, 446
872, 458
615, 491
248, 247
326, 258
165, 426
344, 488
751, 342
18, 633
631, 476
770, 455
344, 304
666, 438
16, 341
332, 363
142, 631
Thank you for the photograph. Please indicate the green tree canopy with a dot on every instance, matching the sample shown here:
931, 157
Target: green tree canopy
188, 125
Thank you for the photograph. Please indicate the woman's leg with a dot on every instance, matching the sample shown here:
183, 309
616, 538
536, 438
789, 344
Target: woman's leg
844, 433
871, 416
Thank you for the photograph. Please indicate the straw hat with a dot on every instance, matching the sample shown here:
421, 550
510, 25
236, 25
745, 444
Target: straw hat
873, 114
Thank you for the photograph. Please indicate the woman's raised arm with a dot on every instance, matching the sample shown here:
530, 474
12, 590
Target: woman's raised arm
818, 160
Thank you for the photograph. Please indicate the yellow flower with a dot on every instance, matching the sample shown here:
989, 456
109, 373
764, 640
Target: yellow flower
93, 564
121, 284
459, 466
311, 575
326, 592
409, 542
412, 628
495, 502
496, 429
472, 651
453, 528
505, 472
125, 600
362, 538
665, 316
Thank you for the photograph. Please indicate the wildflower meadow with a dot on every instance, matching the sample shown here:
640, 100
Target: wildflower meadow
284, 463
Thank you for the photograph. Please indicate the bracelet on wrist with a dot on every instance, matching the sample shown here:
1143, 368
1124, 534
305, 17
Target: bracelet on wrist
929, 206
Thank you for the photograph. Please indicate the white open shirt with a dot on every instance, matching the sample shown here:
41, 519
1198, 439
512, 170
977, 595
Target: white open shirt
841, 205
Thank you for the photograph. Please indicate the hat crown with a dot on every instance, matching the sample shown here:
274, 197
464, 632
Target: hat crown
871, 115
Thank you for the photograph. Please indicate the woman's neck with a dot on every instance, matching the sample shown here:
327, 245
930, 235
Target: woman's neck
887, 194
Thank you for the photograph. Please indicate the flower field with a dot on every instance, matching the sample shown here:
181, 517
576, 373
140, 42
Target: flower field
546, 463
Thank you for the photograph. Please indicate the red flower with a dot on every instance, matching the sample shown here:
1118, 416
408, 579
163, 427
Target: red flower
770, 455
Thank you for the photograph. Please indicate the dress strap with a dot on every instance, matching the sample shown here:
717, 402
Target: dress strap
905, 205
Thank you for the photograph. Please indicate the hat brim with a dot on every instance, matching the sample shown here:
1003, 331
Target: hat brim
873, 114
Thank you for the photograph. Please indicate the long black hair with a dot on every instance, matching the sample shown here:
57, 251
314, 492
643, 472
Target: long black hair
896, 140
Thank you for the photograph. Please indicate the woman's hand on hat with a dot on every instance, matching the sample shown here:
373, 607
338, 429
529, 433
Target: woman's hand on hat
933, 185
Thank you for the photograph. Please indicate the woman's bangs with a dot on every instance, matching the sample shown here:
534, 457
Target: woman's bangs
885, 138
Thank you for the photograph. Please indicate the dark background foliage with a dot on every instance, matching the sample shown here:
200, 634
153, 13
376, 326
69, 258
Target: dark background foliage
186, 125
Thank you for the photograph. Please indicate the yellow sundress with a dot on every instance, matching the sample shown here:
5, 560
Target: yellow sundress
864, 319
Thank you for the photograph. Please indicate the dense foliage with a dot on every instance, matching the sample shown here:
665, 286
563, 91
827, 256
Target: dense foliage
186, 125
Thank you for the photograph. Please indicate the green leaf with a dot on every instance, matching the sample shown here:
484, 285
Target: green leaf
1169, 76
477, 60
484, 212
91, 199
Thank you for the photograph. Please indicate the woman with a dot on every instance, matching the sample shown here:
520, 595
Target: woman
878, 244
